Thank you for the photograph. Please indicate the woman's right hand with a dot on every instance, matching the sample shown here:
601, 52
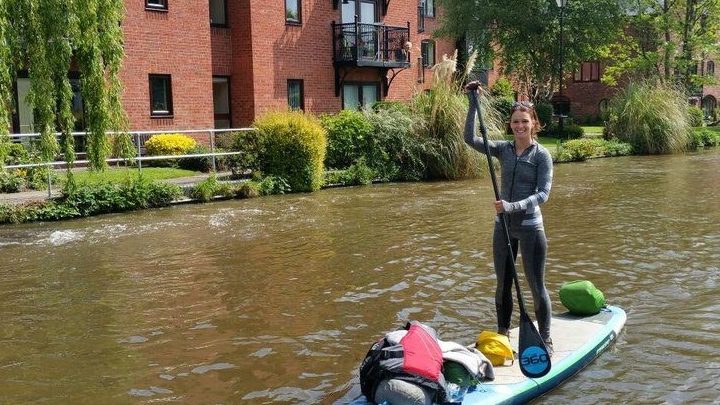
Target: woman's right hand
473, 86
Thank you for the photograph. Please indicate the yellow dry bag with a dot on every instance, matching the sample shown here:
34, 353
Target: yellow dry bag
495, 346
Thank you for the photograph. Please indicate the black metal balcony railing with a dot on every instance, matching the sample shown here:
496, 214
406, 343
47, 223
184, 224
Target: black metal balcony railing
361, 44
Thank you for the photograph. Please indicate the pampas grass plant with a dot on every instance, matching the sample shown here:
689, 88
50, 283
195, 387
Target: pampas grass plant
653, 118
440, 115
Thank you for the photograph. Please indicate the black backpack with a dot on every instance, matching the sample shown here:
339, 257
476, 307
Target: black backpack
385, 361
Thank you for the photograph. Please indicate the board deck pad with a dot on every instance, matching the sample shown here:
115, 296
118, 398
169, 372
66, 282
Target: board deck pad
577, 341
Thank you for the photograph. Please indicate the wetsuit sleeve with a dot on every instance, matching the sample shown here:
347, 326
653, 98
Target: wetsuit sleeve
544, 183
469, 133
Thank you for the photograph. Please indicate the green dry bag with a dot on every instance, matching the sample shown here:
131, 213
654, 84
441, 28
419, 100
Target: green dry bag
581, 297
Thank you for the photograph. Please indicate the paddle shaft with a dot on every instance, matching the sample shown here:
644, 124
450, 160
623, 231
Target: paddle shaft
503, 216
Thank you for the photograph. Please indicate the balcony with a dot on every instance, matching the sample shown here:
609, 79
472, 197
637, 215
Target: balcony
371, 45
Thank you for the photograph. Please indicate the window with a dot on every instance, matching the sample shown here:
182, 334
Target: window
429, 8
218, 13
161, 96
293, 11
156, 4
710, 70
588, 72
295, 94
427, 51
357, 95
221, 101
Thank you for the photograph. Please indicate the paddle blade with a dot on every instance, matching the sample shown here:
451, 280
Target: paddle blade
534, 357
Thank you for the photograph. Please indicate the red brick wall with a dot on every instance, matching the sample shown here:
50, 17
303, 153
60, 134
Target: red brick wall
585, 97
176, 42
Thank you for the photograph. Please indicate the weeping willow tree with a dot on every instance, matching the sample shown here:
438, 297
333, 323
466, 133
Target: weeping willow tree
48, 39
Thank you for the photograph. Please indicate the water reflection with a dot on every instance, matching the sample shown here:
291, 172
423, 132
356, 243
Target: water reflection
276, 300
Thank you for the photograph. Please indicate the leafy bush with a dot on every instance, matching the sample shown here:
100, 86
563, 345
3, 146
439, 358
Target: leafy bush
652, 118
293, 147
348, 133
545, 113
247, 190
207, 189
169, 144
503, 105
696, 116
357, 174
201, 163
87, 200
250, 144
11, 182
581, 149
396, 152
390, 106
703, 137
502, 88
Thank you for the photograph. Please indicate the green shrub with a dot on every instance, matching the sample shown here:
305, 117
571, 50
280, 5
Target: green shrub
703, 137
201, 163
250, 144
390, 106
247, 190
271, 185
348, 133
293, 147
209, 188
357, 174
652, 118
502, 88
581, 149
696, 116
396, 152
503, 105
16, 154
169, 144
11, 181
545, 113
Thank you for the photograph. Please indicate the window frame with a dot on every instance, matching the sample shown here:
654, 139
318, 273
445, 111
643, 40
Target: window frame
594, 75
225, 23
156, 5
710, 68
301, 82
424, 51
428, 12
169, 113
291, 21
359, 85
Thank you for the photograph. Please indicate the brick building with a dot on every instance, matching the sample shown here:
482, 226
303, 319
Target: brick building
221, 63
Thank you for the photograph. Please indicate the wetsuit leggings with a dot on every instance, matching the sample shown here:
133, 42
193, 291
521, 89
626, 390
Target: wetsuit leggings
533, 246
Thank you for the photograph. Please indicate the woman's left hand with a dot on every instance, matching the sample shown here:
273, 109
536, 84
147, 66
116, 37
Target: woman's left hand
499, 207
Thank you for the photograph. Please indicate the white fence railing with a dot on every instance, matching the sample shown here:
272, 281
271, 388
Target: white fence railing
203, 136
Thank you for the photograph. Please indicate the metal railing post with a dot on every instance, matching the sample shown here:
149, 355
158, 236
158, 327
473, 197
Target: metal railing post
212, 149
137, 141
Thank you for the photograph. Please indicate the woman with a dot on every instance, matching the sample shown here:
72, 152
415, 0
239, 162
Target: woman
526, 178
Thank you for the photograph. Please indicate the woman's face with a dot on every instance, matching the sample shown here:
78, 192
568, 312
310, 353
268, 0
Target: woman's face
522, 124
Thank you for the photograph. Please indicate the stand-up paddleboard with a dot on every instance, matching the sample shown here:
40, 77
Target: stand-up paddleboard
577, 341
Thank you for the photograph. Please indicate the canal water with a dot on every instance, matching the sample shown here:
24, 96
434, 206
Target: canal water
277, 299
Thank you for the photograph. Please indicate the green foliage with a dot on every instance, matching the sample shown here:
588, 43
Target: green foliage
357, 174
348, 133
293, 147
209, 188
569, 131
248, 190
524, 34
439, 118
43, 37
390, 106
396, 152
586, 148
270, 185
247, 142
696, 116
703, 137
652, 118
545, 112
202, 163
503, 105
502, 88
11, 182
85, 200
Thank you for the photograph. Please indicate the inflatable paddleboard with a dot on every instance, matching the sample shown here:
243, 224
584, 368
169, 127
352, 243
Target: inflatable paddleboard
577, 341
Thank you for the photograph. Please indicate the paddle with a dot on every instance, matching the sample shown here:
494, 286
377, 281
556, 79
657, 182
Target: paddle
534, 357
